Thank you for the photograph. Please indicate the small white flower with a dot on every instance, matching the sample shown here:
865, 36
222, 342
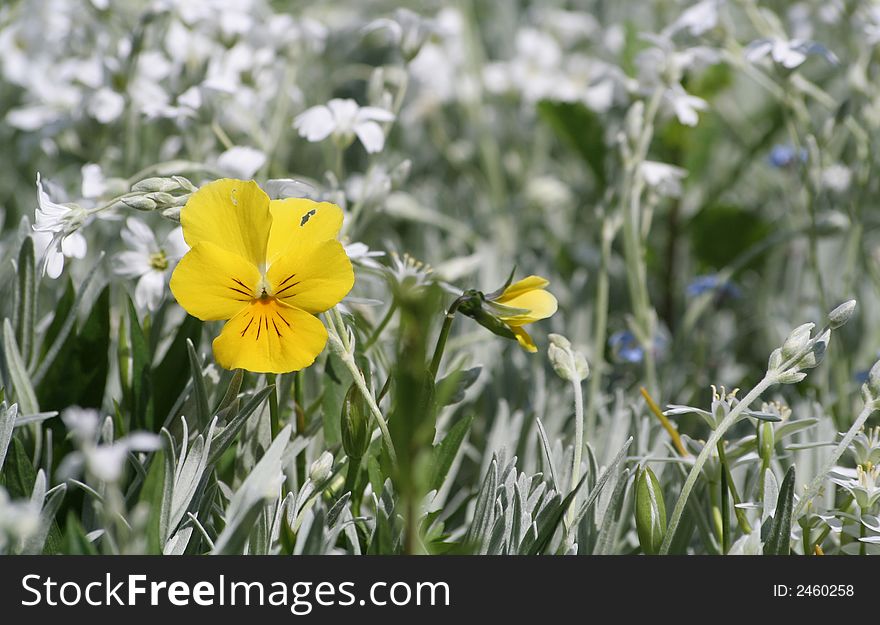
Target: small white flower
837, 178
57, 233
360, 254
697, 19
685, 105
787, 53
344, 119
663, 178
106, 105
148, 261
94, 184
241, 162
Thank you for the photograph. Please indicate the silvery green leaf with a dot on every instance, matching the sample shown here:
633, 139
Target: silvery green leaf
771, 495
261, 484
548, 454
19, 378
26, 298
36, 542
792, 427
484, 512
7, 424
673, 410
801, 446
612, 469
34, 418
763, 416
176, 545
607, 532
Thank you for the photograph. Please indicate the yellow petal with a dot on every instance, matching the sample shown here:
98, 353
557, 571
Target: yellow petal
270, 337
524, 339
313, 276
211, 283
522, 286
296, 220
540, 304
232, 214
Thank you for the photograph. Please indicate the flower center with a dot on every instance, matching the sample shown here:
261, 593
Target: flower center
158, 261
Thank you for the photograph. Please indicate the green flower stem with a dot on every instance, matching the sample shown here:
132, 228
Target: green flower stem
347, 357
767, 381
728, 476
381, 326
274, 418
634, 249
578, 446
441, 339
600, 327
816, 484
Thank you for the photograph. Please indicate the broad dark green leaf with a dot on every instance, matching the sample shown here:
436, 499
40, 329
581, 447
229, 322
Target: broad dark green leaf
171, 375
581, 129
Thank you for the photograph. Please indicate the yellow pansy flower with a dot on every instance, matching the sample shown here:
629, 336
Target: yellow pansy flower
266, 266
530, 302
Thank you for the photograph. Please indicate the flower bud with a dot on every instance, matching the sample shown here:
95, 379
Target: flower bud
841, 314
766, 441
650, 511
873, 384
775, 360
140, 202
568, 364
320, 469
156, 185
160, 198
172, 213
355, 423
797, 340
792, 376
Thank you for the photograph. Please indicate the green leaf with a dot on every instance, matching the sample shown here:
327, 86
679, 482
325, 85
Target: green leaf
7, 425
581, 129
710, 234
141, 373
171, 375
203, 412
62, 325
337, 380
447, 449
78, 374
451, 389
225, 437
778, 542
548, 525
26, 300
484, 512
76, 541
650, 511
152, 495
19, 472
17, 372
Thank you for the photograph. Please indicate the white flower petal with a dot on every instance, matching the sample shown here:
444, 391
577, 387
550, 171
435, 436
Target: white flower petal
374, 113
54, 261
74, 245
138, 236
241, 161
174, 245
149, 290
315, 124
131, 264
371, 135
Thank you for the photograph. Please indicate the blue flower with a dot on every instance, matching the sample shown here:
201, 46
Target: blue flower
784, 155
861, 376
626, 347
711, 282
